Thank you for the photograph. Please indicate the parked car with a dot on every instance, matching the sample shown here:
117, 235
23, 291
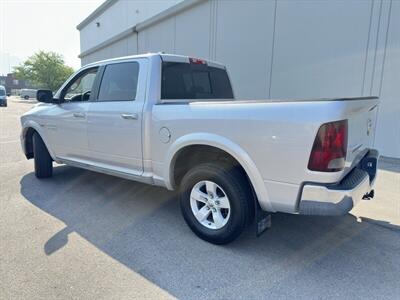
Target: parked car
3, 96
28, 94
172, 121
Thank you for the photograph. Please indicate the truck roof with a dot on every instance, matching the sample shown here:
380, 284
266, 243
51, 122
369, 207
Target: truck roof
164, 57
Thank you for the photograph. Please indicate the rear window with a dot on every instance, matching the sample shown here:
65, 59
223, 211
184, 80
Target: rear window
194, 81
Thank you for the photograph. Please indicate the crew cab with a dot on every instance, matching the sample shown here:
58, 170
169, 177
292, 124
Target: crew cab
173, 121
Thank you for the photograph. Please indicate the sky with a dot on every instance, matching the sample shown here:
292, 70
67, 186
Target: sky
27, 26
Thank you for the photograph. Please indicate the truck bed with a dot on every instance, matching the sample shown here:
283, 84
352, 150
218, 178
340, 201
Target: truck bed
277, 134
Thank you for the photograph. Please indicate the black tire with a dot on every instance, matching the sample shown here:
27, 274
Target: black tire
42, 158
26, 97
235, 185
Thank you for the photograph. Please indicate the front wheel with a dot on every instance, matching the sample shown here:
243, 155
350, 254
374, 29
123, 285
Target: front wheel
216, 202
42, 158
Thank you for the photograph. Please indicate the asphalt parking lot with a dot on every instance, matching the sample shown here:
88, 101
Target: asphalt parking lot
86, 235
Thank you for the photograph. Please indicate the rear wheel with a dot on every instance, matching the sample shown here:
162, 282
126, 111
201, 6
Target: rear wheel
216, 202
26, 97
42, 158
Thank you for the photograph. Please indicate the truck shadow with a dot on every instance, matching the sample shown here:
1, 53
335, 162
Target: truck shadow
141, 227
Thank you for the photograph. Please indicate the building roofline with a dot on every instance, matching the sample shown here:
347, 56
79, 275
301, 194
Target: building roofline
106, 4
169, 12
113, 39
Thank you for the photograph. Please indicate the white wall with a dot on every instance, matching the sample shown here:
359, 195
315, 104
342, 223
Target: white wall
159, 37
123, 47
320, 48
294, 49
118, 17
388, 128
243, 41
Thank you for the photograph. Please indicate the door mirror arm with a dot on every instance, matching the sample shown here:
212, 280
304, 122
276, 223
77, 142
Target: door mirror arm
57, 101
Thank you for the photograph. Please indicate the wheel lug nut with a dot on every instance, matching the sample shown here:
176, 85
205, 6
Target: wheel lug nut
217, 202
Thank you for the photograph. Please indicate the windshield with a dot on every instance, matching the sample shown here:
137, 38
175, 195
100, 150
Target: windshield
2, 92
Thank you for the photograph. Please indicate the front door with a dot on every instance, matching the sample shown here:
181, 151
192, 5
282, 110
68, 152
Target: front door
115, 118
68, 129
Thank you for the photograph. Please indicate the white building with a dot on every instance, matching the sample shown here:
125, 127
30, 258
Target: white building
273, 49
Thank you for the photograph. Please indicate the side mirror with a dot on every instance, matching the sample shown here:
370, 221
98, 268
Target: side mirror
45, 96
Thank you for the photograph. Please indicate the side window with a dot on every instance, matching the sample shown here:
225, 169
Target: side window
119, 82
81, 87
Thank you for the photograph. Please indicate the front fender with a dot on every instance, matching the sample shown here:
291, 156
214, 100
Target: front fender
226, 145
40, 130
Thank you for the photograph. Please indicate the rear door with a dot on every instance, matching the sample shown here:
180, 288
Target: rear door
115, 117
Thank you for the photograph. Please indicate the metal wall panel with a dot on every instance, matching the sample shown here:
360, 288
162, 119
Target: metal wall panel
387, 136
118, 17
158, 38
290, 49
319, 48
243, 41
111, 22
123, 47
192, 31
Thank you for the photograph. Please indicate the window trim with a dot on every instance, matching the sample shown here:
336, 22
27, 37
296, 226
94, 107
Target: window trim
70, 82
101, 75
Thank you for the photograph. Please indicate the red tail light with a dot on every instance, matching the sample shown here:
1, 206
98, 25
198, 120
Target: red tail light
329, 150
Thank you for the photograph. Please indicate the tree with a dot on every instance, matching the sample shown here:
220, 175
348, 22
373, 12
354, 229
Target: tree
46, 70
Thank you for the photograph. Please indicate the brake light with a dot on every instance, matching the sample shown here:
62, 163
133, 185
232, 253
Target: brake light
197, 61
329, 150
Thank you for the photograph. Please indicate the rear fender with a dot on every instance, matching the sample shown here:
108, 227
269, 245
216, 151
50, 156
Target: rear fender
226, 145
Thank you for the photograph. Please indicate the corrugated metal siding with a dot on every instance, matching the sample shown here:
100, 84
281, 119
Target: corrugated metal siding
290, 49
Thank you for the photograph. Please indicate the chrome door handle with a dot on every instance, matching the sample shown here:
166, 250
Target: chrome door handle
130, 116
79, 115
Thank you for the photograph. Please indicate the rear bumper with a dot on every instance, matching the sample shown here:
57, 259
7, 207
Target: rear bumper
339, 198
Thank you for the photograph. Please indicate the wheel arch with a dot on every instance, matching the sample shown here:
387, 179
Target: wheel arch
225, 145
27, 139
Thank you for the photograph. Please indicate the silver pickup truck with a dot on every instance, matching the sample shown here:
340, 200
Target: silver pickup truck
172, 121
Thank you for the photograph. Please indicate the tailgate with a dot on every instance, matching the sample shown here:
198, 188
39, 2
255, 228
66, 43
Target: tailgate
361, 128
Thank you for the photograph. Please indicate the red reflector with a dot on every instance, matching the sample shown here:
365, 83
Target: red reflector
329, 150
197, 61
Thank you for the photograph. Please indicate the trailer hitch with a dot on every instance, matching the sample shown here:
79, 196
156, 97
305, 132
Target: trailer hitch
369, 196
